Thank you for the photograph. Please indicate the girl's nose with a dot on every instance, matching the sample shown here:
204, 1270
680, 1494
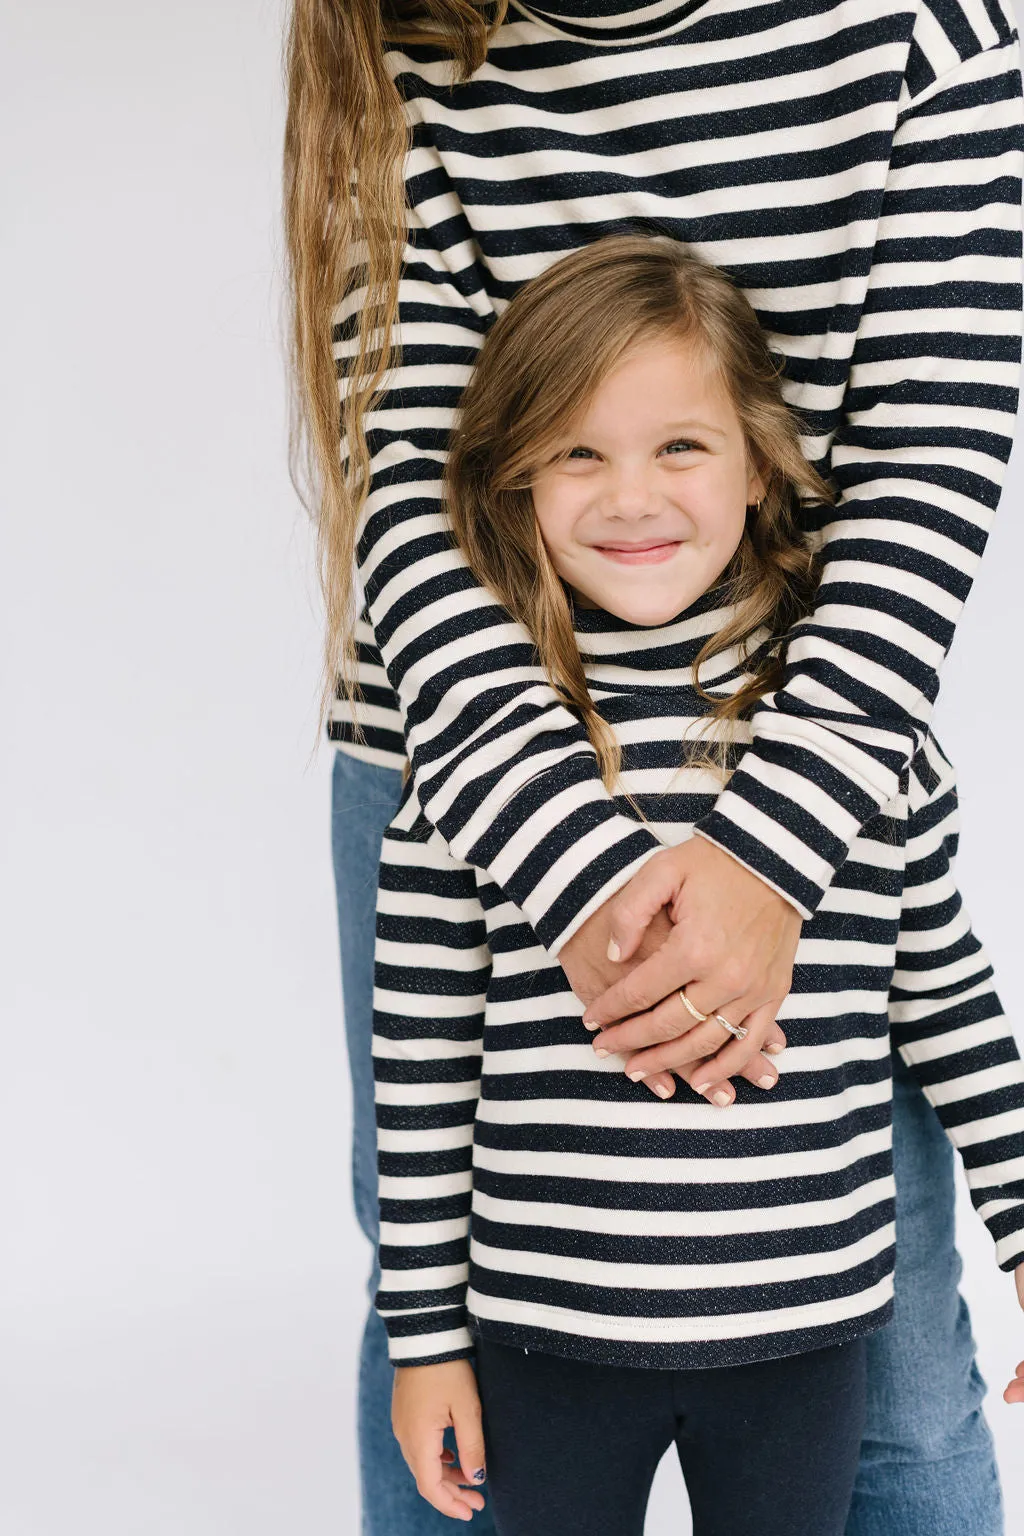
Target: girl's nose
631, 495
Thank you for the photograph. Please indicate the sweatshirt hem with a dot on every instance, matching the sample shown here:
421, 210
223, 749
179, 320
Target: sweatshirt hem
681, 1354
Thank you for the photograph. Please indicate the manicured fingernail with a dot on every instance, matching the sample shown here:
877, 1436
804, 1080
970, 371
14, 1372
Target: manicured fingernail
636, 1077
599, 1051
662, 1091
721, 1098
587, 1025
774, 1048
478, 1476
613, 950
699, 1087
767, 1081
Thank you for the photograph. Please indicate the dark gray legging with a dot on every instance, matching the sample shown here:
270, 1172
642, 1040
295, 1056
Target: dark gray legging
766, 1450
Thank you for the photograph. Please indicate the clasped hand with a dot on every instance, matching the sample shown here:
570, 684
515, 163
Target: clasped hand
693, 918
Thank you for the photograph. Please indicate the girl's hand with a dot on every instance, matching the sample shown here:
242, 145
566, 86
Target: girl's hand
426, 1399
1015, 1391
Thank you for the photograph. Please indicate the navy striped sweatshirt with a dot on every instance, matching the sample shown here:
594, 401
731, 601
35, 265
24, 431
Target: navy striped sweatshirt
530, 1192
856, 166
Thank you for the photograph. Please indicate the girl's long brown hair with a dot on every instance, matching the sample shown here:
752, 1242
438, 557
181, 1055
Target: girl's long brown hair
562, 334
345, 221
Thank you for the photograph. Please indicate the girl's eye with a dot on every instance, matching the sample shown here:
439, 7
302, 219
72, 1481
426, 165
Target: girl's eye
683, 444
580, 453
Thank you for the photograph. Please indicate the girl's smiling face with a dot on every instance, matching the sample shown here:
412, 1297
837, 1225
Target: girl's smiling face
645, 505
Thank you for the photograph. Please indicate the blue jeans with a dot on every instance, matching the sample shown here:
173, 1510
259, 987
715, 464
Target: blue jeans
927, 1465
927, 1462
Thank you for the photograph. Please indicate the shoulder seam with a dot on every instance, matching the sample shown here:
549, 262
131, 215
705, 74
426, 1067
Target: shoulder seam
939, 84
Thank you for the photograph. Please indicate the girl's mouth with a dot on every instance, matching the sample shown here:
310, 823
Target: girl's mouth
649, 552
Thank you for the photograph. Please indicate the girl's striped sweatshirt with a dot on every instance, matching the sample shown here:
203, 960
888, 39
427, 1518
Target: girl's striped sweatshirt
531, 1192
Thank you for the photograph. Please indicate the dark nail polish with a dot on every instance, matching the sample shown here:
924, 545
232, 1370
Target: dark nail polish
479, 1475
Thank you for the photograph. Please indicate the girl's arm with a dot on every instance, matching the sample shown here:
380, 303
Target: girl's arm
501, 768
946, 1019
431, 970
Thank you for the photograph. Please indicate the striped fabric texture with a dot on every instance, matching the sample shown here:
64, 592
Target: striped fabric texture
530, 1191
857, 168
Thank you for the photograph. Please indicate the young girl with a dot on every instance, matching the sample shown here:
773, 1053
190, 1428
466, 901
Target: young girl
626, 478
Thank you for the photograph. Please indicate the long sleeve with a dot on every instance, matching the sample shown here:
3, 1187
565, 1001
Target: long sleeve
502, 769
431, 972
918, 460
947, 1021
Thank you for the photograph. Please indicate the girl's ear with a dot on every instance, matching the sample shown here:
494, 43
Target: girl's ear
756, 481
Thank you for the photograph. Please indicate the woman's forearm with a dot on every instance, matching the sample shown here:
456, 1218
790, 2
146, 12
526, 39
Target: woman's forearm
919, 458
502, 768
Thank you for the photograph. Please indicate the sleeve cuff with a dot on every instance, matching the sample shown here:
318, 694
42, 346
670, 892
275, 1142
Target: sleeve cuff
701, 831
771, 834
1010, 1246
595, 885
559, 854
428, 1338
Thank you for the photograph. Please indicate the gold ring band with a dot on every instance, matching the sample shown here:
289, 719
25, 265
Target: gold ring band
694, 1013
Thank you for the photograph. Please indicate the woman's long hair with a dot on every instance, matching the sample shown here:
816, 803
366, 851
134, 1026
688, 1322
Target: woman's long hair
345, 220
562, 334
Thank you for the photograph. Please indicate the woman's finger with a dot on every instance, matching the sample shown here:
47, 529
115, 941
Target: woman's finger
775, 1040
760, 1071
669, 1021
654, 887
724, 1056
691, 1045
736, 1008
657, 977
661, 1084
736, 1054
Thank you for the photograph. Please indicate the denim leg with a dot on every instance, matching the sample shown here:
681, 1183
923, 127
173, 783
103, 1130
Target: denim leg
364, 799
927, 1461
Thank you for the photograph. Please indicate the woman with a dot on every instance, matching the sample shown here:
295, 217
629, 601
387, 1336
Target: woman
857, 169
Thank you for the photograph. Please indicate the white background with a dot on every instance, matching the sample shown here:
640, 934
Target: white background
181, 1277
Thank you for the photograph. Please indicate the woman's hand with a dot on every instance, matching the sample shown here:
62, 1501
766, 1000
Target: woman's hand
697, 1054
591, 973
1015, 1391
731, 946
426, 1400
